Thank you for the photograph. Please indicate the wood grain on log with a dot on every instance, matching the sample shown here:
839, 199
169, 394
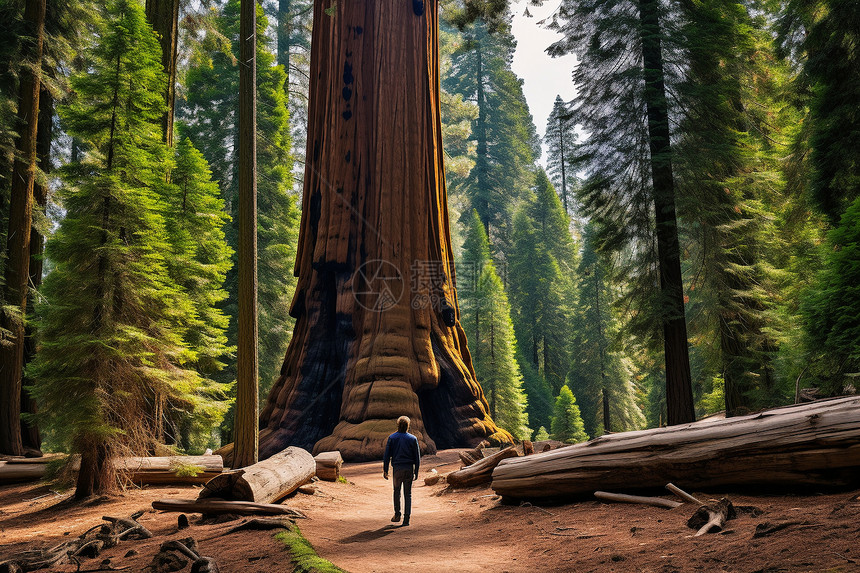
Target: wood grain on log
808, 444
328, 465
374, 260
266, 481
481, 471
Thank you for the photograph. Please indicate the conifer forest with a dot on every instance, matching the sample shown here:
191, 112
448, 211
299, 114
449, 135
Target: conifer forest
242, 226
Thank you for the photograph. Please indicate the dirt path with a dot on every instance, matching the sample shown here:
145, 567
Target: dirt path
350, 525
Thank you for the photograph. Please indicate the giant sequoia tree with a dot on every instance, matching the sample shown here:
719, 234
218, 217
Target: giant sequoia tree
377, 333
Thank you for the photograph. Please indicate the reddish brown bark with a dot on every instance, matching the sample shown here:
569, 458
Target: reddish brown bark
370, 342
247, 384
18, 239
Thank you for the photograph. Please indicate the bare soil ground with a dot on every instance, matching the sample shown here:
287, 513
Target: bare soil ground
466, 530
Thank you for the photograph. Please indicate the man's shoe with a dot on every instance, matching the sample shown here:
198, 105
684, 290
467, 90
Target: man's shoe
406, 521
396, 518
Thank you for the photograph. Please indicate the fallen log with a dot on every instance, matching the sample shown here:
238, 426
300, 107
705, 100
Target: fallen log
624, 498
683, 494
328, 465
481, 471
266, 481
793, 446
148, 470
221, 506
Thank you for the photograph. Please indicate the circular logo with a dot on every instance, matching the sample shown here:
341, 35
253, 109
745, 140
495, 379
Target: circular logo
378, 285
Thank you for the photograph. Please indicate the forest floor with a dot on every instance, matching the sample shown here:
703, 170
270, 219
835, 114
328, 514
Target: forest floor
465, 530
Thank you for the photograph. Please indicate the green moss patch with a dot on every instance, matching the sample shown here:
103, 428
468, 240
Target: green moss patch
302, 554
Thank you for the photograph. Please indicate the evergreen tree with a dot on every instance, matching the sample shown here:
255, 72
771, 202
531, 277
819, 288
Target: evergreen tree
601, 376
505, 137
832, 309
541, 434
630, 190
567, 423
198, 262
211, 117
560, 140
487, 322
112, 327
540, 270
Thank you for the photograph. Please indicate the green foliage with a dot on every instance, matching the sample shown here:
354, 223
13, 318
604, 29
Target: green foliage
540, 269
832, 309
486, 318
561, 162
211, 119
303, 556
506, 143
567, 423
112, 320
541, 435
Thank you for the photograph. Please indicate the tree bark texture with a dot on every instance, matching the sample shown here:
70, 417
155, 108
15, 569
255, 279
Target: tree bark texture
815, 444
266, 481
30, 436
374, 258
17, 268
679, 390
247, 400
163, 16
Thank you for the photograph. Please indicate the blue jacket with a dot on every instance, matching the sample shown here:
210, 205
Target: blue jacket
402, 451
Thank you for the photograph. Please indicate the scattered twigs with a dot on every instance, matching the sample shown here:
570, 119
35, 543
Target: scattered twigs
683, 494
624, 498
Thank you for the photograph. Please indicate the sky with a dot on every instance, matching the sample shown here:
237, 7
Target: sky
543, 77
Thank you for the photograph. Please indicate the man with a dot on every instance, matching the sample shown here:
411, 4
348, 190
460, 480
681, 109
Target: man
403, 453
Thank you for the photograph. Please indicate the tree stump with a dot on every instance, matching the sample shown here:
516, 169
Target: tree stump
328, 465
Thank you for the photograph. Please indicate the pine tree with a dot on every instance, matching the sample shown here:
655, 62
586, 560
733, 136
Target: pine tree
112, 328
487, 322
198, 262
560, 140
541, 434
832, 309
601, 375
505, 137
624, 105
211, 118
541, 265
567, 423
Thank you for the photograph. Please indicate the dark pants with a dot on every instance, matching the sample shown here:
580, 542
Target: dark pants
404, 478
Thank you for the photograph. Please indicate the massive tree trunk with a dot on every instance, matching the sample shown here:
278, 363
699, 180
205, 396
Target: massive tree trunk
376, 274
679, 390
163, 15
18, 239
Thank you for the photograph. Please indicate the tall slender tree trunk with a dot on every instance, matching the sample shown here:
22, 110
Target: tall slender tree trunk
246, 352
17, 269
284, 29
679, 390
482, 162
163, 16
30, 436
607, 424
366, 347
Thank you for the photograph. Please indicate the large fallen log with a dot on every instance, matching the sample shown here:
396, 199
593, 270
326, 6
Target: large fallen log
481, 471
266, 481
149, 470
793, 446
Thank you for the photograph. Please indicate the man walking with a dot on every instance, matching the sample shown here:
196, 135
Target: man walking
403, 453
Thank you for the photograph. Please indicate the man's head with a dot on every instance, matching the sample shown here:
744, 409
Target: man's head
402, 423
